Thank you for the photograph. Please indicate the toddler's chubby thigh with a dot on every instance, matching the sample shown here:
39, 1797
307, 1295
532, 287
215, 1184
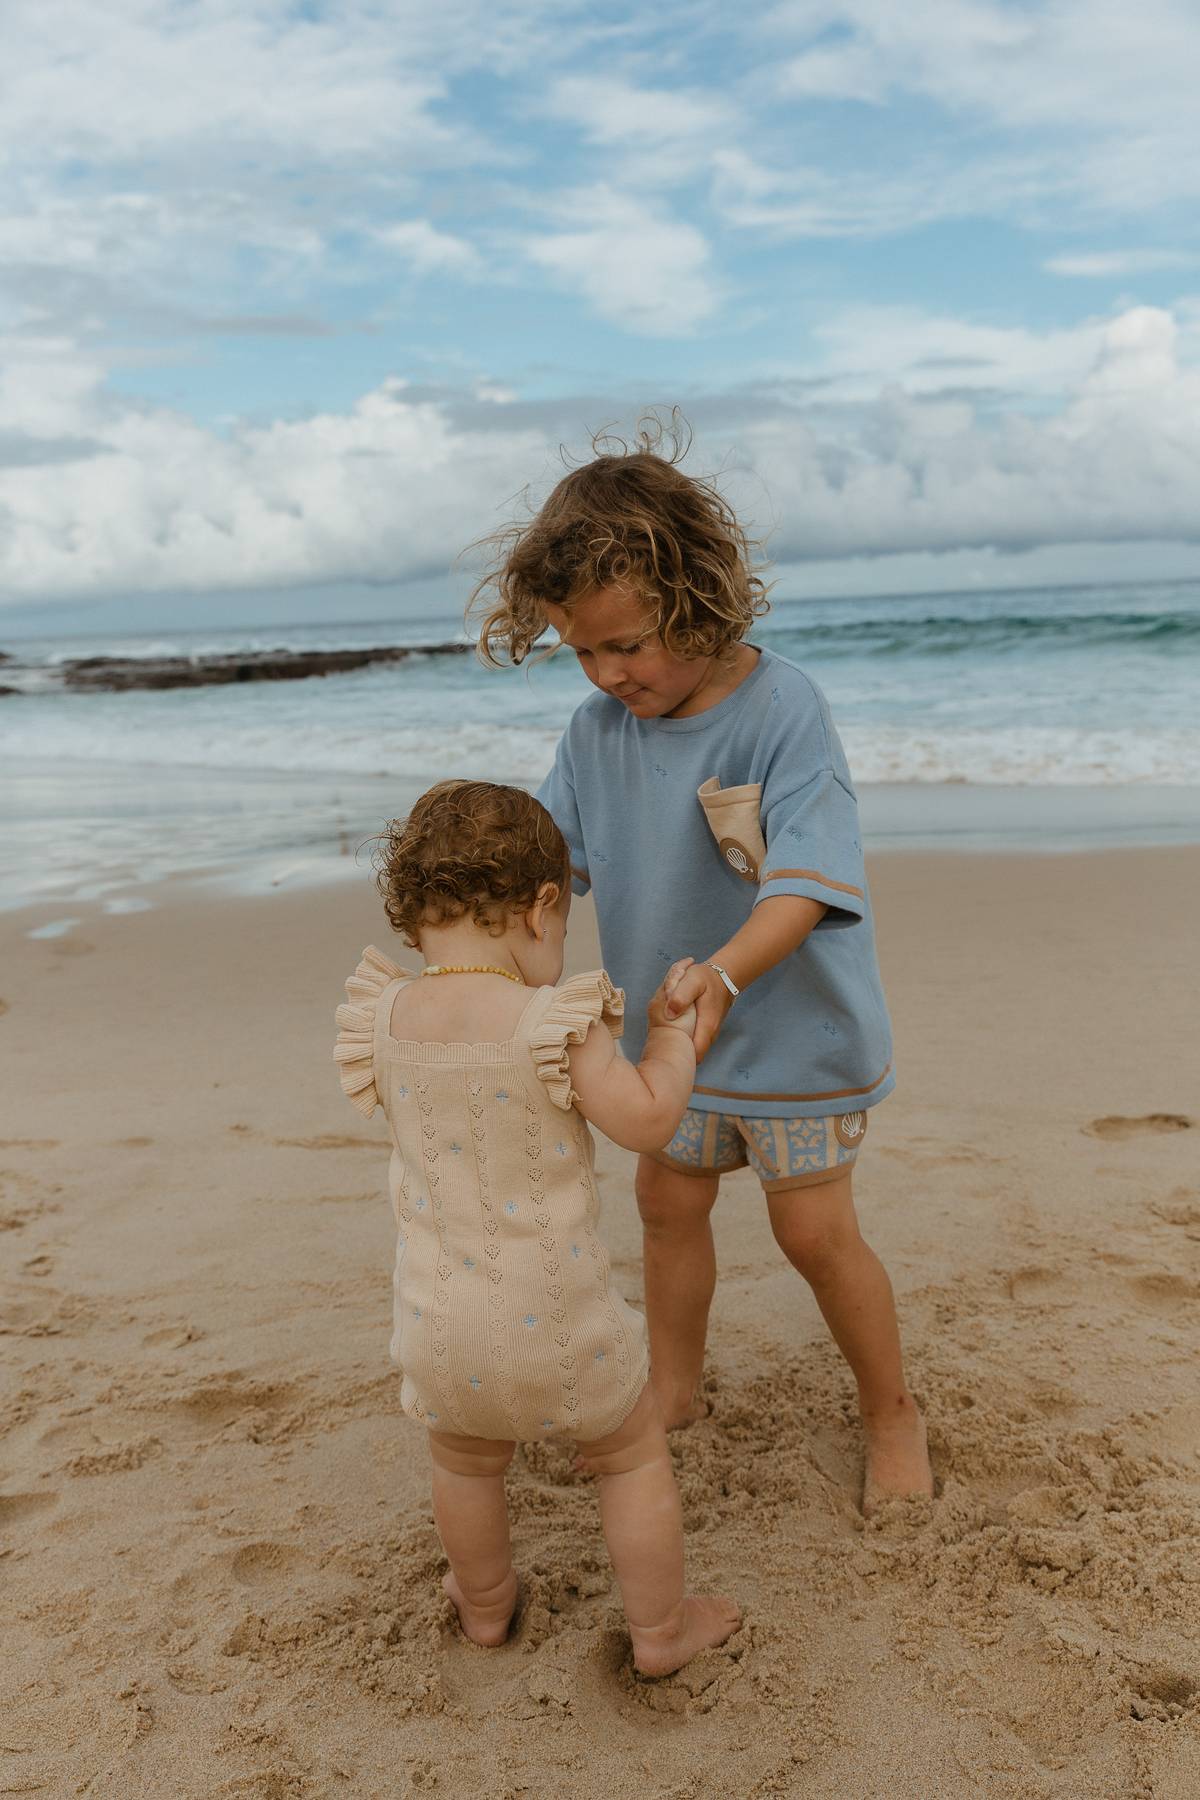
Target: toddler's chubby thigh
802, 1152
706, 1143
639, 1440
470, 1456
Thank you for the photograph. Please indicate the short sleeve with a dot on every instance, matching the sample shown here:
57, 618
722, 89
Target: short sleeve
577, 1005
354, 1051
814, 848
557, 795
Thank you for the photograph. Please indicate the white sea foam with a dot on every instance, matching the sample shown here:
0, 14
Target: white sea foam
210, 738
105, 793
1028, 756
54, 928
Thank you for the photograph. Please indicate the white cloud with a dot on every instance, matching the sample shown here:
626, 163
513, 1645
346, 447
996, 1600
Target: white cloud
153, 148
634, 264
864, 348
386, 491
427, 250
803, 198
1105, 264
1101, 96
1119, 461
1066, 65
651, 137
609, 110
127, 498
155, 77
846, 72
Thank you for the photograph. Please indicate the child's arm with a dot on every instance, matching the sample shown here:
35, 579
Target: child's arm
774, 929
638, 1108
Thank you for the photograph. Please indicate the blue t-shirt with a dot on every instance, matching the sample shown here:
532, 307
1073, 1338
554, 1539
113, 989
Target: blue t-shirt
674, 875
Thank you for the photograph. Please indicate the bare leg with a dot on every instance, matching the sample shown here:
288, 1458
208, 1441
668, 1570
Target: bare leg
681, 1275
643, 1527
472, 1520
817, 1230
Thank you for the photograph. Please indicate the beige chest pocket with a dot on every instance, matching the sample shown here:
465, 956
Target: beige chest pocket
732, 815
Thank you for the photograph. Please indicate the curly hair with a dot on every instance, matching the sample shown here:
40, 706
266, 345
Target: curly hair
629, 518
468, 849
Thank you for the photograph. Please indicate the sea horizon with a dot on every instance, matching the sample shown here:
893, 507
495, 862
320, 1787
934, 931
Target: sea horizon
1036, 718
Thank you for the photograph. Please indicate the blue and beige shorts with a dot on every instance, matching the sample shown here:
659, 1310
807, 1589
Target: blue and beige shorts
784, 1153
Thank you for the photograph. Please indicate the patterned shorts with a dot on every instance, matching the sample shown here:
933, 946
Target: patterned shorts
784, 1153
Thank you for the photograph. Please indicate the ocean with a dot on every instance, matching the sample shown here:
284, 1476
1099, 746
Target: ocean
1017, 696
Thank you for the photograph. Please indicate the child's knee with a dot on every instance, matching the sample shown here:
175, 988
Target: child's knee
469, 1456
816, 1228
813, 1254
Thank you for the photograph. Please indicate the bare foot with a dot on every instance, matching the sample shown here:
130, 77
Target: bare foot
897, 1458
486, 1624
703, 1622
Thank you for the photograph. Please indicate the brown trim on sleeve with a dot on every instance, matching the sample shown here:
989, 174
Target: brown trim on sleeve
581, 875
840, 887
835, 1094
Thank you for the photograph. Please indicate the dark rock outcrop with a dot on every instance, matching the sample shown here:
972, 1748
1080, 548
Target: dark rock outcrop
115, 674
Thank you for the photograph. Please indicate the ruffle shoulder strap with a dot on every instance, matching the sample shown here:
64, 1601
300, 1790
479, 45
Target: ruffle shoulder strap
575, 1008
354, 1051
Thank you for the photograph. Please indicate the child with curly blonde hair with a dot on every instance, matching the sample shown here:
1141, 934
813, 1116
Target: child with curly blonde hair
708, 805
507, 1326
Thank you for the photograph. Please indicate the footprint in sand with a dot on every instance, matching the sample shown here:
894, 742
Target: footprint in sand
256, 1407
258, 1565
173, 1337
46, 1312
1115, 1126
14, 1507
1032, 1285
1181, 1207
114, 1459
1158, 1688
1165, 1290
328, 1140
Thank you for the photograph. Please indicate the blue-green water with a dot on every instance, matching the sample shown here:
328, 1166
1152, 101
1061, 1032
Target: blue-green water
1083, 689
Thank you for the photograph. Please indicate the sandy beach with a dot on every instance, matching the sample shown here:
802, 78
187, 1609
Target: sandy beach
220, 1573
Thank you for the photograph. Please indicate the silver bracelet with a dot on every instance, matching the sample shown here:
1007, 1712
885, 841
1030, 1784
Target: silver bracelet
727, 978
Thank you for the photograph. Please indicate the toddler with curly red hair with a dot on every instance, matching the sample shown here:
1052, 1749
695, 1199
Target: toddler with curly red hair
507, 1325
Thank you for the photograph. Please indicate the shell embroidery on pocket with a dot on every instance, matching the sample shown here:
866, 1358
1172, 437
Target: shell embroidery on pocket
732, 815
738, 860
850, 1129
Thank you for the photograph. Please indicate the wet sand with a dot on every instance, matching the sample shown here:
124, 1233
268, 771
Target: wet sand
220, 1573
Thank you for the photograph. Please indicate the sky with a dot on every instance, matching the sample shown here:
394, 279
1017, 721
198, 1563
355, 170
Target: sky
296, 299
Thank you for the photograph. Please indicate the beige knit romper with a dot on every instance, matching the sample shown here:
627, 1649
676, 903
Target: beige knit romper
506, 1323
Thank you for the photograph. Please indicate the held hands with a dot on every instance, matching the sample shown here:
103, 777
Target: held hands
700, 989
683, 1018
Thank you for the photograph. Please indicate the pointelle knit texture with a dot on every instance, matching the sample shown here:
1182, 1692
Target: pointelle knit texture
506, 1323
